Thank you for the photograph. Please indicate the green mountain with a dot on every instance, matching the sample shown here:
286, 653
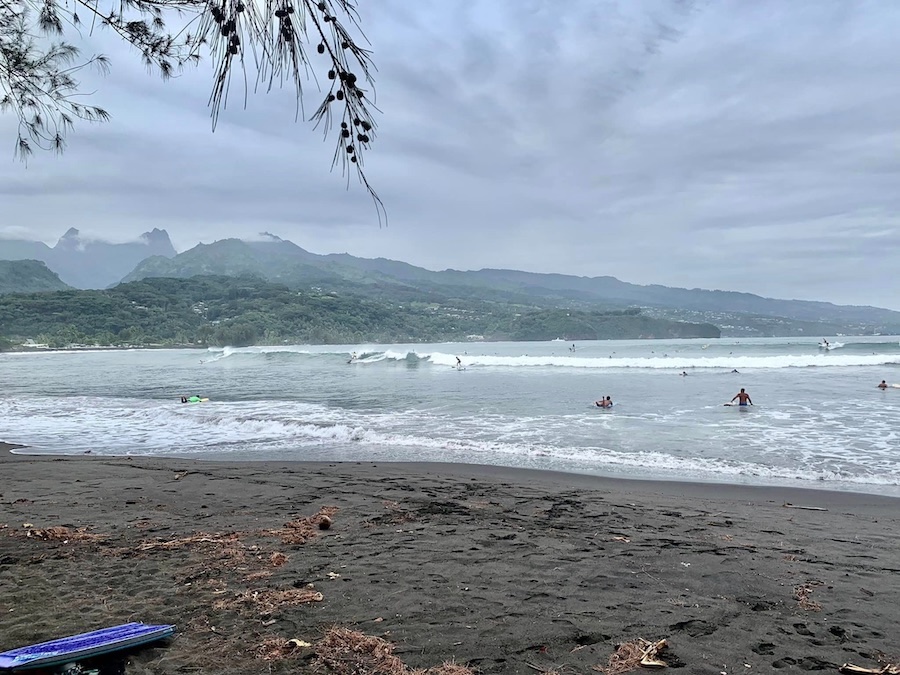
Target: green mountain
240, 311
739, 313
27, 276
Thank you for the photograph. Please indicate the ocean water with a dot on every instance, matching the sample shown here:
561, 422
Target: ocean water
818, 420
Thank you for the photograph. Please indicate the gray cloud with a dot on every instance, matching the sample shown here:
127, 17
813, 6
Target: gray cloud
747, 146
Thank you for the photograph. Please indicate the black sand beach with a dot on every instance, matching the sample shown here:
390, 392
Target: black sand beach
499, 570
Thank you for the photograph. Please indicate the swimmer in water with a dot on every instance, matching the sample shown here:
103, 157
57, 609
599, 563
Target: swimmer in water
743, 397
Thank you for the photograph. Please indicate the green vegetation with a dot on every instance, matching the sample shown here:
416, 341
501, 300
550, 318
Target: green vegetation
284, 262
241, 311
610, 325
27, 276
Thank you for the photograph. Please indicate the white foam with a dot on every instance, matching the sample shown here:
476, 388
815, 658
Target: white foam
676, 361
668, 362
114, 426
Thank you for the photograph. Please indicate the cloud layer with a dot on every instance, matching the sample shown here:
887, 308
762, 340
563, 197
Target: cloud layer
742, 146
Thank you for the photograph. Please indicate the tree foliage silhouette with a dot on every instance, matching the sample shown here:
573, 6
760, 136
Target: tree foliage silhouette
270, 42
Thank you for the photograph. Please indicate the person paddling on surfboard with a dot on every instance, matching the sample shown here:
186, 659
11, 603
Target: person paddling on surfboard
743, 397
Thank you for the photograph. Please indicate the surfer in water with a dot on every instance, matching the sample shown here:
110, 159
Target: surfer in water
604, 402
743, 397
883, 385
458, 363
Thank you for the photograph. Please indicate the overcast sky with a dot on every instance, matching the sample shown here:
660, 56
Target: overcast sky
750, 146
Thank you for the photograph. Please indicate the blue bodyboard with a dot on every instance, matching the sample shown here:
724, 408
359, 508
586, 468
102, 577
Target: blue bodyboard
83, 646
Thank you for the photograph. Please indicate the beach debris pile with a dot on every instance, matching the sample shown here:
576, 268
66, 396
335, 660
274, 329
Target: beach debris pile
277, 649
224, 541
396, 515
802, 595
267, 601
221, 555
634, 654
342, 651
301, 530
66, 535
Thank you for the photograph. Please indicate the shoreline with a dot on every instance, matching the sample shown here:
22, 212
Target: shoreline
502, 570
714, 489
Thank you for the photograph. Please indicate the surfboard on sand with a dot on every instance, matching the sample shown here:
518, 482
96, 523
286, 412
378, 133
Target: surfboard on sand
82, 646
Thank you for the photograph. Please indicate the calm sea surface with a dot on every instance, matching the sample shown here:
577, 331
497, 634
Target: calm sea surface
819, 420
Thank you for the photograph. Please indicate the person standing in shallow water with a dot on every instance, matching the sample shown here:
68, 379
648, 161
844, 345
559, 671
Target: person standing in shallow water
883, 385
743, 397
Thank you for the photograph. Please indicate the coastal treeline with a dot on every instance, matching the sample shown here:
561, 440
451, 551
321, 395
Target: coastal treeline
242, 311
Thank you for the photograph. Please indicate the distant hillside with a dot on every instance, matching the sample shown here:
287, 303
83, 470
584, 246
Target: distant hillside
280, 261
27, 276
89, 263
242, 311
744, 313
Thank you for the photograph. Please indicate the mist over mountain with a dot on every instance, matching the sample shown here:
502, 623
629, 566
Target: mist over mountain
89, 263
275, 259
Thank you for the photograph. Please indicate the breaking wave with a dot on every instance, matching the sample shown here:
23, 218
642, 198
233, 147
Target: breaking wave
372, 355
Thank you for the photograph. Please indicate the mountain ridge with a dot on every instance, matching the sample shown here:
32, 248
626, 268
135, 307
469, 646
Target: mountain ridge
90, 263
283, 261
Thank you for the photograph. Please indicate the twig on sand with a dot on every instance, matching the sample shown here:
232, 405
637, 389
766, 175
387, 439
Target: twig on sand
199, 538
788, 505
889, 669
544, 671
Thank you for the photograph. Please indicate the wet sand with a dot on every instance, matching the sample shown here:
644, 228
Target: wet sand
502, 570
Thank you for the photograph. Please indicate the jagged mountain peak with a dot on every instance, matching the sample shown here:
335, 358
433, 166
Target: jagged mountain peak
158, 242
71, 241
84, 261
155, 235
